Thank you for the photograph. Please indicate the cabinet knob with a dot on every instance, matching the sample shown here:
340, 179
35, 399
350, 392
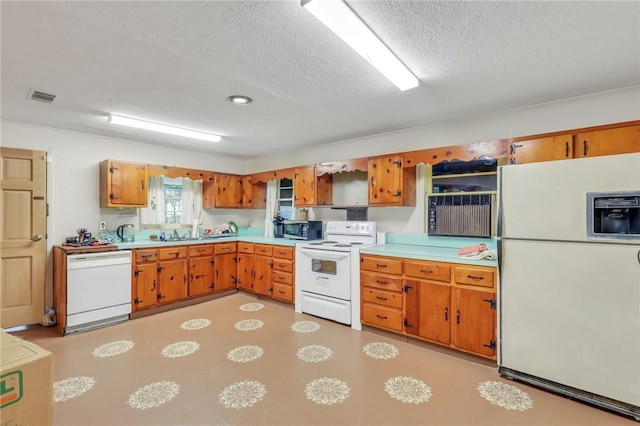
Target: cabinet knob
37, 237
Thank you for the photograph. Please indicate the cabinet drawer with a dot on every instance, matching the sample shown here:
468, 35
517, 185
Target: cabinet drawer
172, 253
245, 247
263, 250
475, 276
385, 282
201, 250
283, 292
428, 270
283, 252
146, 255
282, 265
381, 297
282, 277
221, 248
379, 264
382, 317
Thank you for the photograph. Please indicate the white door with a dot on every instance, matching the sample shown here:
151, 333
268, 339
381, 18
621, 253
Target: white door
325, 272
23, 210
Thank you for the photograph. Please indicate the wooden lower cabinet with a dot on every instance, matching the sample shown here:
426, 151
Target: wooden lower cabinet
144, 279
172, 280
444, 303
267, 269
225, 263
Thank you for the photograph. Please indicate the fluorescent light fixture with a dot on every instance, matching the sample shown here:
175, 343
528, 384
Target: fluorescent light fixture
162, 128
343, 21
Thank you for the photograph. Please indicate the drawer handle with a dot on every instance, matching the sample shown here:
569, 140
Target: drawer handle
381, 282
381, 316
379, 265
381, 298
446, 314
473, 277
281, 277
426, 271
281, 291
175, 253
226, 248
458, 317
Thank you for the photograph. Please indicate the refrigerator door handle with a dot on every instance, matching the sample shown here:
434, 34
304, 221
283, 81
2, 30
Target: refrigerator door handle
499, 222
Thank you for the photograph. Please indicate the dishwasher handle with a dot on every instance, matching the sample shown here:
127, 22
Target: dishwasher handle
93, 260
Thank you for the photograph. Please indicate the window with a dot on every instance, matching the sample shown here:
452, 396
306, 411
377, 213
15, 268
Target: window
173, 200
285, 198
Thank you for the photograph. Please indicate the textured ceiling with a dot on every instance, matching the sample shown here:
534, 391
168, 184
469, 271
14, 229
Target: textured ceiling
176, 62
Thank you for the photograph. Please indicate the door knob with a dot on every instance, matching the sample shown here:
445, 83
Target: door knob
37, 237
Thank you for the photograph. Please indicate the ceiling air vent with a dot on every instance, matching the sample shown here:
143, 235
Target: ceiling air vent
35, 95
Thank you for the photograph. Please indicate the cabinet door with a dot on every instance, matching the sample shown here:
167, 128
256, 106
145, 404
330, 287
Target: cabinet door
543, 149
201, 278
172, 281
123, 184
228, 191
474, 321
385, 180
428, 310
245, 271
225, 275
619, 140
304, 186
145, 286
262, 268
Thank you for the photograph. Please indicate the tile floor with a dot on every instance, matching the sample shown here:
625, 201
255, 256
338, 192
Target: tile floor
245, 361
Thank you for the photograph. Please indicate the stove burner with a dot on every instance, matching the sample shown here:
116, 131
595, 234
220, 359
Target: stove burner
356, 243
343, 245
317, 243
329, 242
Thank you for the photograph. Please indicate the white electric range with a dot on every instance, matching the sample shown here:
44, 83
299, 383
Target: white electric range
327, 273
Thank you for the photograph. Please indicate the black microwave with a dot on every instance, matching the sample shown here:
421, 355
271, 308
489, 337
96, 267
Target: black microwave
302, 229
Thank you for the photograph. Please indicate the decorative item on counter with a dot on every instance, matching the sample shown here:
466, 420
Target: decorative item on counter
233, 227
477, 251
476, 248
153, 237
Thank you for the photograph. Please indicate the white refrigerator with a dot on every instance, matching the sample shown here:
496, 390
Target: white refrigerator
569, 304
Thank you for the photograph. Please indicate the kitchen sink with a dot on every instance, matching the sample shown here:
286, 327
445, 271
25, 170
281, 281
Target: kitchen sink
202, 238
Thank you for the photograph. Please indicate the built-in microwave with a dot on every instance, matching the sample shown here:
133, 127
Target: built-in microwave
302, 229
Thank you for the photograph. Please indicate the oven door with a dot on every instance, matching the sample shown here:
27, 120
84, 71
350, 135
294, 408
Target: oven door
325, 272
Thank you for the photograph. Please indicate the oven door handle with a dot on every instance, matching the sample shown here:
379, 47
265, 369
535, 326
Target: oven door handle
324, 254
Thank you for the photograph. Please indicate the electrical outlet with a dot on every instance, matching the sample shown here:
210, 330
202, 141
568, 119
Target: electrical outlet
103, 225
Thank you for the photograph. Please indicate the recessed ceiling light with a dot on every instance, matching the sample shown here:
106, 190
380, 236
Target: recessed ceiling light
239, 99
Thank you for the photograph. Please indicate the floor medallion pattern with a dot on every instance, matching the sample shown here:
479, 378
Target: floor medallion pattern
314, 353
195, 324
180, 349
408, 390
327, 391
153, 395
112, 349
249, 325
305, 326
505, 395
380, 350
242, 394
251, 307
72, 387
245, 353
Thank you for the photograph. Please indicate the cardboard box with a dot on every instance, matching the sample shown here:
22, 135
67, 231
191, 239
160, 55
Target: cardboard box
26, 383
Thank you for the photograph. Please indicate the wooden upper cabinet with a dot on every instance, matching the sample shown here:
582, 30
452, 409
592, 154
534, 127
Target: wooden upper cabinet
123, 184
543, 149
389, 183
222, 191
620, 140
304, 188
254, 194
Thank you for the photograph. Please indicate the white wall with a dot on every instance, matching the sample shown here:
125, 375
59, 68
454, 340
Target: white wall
73, 181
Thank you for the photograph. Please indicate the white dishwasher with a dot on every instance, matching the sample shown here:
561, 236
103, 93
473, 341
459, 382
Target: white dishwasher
98, 289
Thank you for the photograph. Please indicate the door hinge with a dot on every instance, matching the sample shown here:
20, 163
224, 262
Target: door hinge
406, 288
112, 196
112, 169
211, 262
492, 303
137, 272
491, 345
398, 163
160, 296
406, 323
136, 301
397, 194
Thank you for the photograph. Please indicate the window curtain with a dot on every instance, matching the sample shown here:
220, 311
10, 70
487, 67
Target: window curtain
153, 214
191, 201
272, 207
